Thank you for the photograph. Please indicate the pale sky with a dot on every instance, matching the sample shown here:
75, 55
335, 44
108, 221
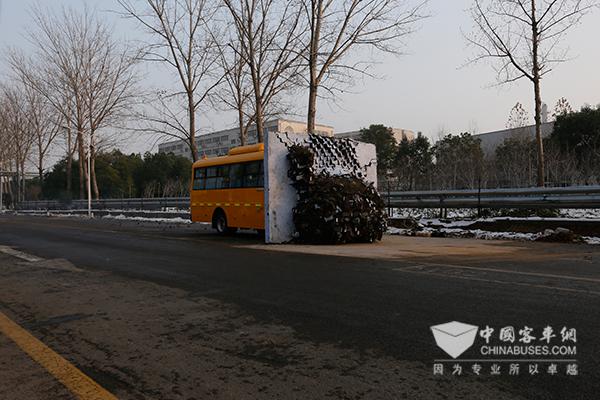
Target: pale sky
425, 90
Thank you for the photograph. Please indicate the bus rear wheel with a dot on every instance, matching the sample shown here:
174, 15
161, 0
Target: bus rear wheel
220, 224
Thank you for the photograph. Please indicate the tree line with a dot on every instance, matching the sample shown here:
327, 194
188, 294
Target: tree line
79, 91
457, 161
118, 176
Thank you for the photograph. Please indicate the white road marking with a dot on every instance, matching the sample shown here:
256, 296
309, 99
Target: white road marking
497, 281
19, 254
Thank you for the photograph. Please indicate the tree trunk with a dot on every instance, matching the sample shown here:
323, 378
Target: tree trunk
240, 105
312, 108
538, 134
317, 14
18, 183
82, 165
538, 99
41, 170
241, 124
93, 172
259, 120
41, 178
192, 115
23, 180
69, 163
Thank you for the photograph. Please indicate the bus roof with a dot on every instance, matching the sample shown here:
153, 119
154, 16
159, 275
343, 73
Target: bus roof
236, 155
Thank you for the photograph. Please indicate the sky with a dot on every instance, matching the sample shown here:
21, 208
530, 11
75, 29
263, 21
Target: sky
428, 89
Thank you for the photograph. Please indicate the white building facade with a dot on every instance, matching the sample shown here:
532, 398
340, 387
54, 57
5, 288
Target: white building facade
218, 143
491, 140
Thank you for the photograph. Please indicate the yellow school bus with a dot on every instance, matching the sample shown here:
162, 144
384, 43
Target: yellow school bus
228, 191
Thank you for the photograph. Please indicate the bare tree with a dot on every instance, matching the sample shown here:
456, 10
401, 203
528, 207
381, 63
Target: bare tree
336, 28
6, 150
269, 34
18, 132
44, 121
86, 75
518, 117
522, 40
183, 42
236, 93
45, 124
110, 90
563, 107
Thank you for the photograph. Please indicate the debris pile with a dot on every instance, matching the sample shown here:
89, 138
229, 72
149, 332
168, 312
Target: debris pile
559, 235
333, 209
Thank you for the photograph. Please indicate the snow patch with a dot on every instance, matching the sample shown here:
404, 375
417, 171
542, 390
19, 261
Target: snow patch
591, 240
177, 220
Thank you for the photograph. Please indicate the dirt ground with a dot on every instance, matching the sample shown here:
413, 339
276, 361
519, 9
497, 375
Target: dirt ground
396, 247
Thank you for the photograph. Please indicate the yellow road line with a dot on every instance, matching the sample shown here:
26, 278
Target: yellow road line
76, 381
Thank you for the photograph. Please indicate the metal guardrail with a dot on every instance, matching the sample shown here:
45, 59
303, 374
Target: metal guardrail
561, 197
153, 204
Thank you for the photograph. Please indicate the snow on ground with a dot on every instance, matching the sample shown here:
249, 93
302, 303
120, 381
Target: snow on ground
55, 214
177, 220
419, 213
591, 240
581, 213
474, 233
167, 210
479, 234
449, 223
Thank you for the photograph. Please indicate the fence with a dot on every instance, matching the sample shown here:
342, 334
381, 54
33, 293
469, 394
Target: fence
155, 204
531, 198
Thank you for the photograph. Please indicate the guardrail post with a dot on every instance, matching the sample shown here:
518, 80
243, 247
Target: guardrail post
479, 201
389, 199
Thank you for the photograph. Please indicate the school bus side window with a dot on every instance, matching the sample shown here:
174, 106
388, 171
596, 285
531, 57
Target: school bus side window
236, 175
199, 178
211, 178
261, 174
251, 172
231, 176
222, 177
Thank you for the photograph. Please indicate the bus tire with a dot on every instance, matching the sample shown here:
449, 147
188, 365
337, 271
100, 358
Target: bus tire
220, 223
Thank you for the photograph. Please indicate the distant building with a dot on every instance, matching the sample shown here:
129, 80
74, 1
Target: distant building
218, 143
491, 140
399, 135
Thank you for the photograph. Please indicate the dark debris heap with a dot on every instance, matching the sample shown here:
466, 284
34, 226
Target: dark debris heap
333, 209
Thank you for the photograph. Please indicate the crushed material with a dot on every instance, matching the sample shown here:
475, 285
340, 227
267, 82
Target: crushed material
333, 209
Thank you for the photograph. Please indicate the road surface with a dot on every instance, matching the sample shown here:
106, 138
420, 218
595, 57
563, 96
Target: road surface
151, 310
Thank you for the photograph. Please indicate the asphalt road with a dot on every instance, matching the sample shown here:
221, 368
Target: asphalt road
379, 309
